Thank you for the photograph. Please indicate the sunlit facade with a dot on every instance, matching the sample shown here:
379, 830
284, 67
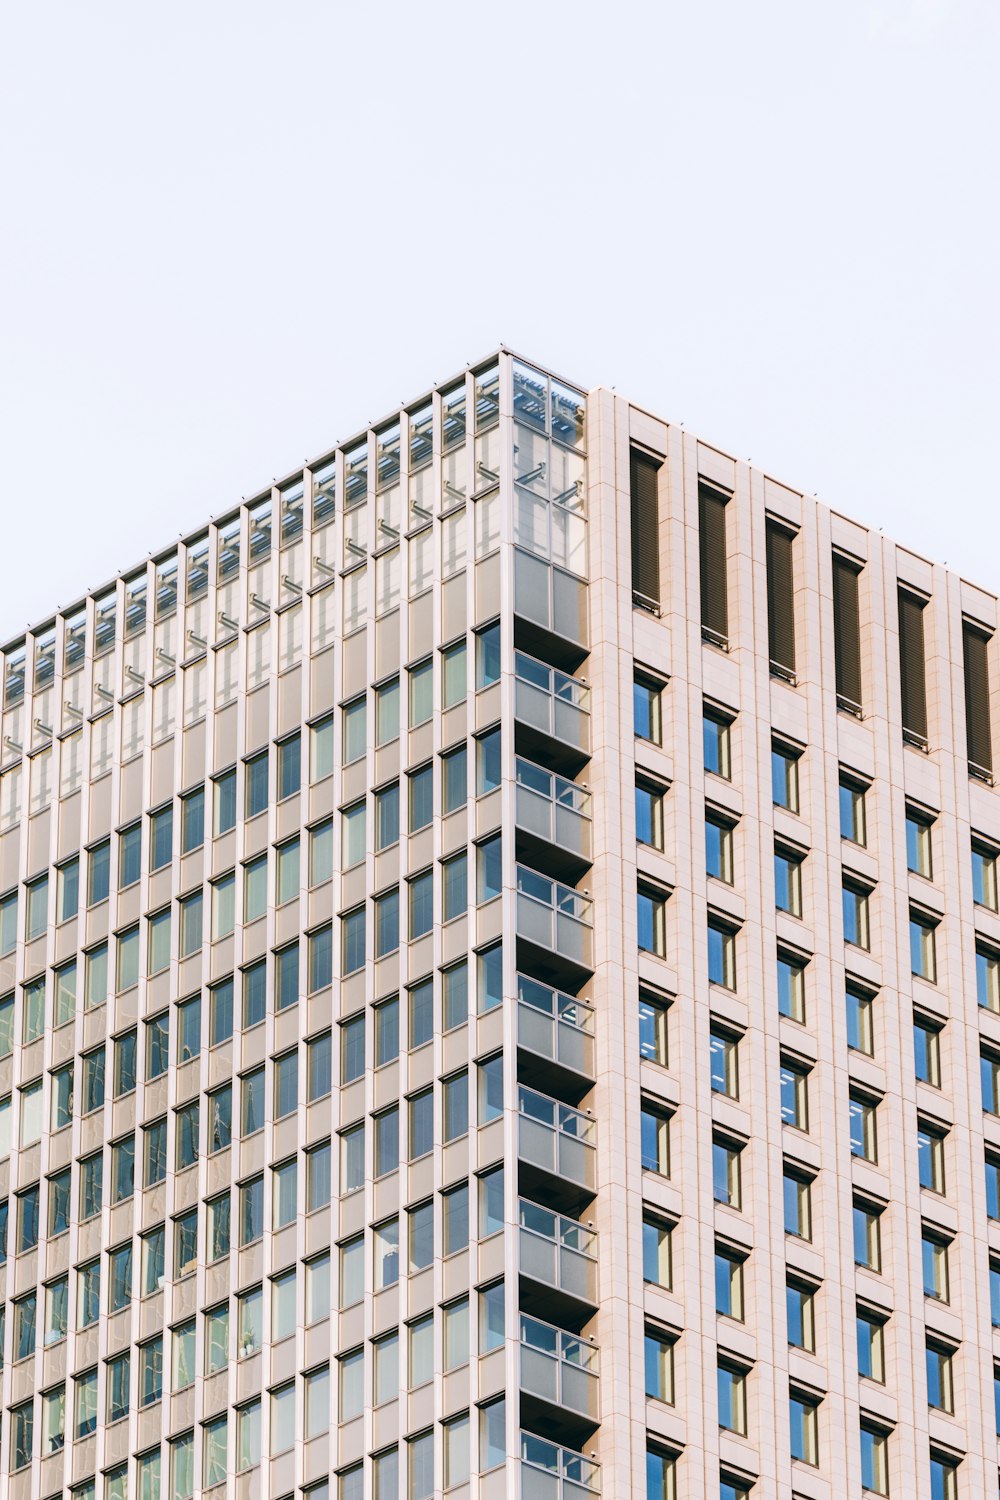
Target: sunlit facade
500, 988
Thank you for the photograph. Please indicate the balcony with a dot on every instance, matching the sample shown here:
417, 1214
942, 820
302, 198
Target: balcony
557, 1155
558, 1255
555, 1038
560, 1390
553, 822
555, 930
552, 711
549, 1472
550, 610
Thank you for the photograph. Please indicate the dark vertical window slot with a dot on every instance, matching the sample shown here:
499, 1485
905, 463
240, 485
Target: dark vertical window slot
979, 737
644, 477
913, 687
780, 600
847, 634
714, 584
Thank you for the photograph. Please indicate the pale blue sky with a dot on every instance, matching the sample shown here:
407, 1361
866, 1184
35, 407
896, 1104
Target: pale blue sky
233, 233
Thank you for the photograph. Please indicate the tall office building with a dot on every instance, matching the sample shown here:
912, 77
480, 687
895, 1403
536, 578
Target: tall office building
500, 988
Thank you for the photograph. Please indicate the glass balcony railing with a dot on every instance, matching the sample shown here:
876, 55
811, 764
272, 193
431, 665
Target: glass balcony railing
558, 1251
559, 1368
551, 702
554, 1026
549, 1472
557, 1139
551, 808
555, 916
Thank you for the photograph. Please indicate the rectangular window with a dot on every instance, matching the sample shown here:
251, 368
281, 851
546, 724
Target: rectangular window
803, 1430
852, 811
728, 1285
862, 1127
922, 947
386, 1032
859, 1021
656, 1252
918, 843
712, 563
867, 1237
454, 780
847, 632
875, 1463
930, 1158
256, 784
855, 909
719, 848
386, 1141
984, 876
927, 1053
454, 887
287, 872
987, 977
421, 693
726, 1176
420, 1014
646, 709
355, 730
791, 988
659, 1367
289, 766
161, 838
732, 1399
940, 1390
387, 923
453, 667
788, 882
387, 712
321, 749
651, 918
652, 1029
911, 667
352, 935
797, 1205
934, 1253
644, 472
794, 1096
421, 798
785, 777
978, 730
871, 1346
99, 868
800, 1316
223, 906
721, 954
286, 1084
780, 598
723, 1059
67, 890
224, 802
716, 744
387, 817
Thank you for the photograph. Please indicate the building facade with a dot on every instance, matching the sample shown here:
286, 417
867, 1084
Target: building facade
500, 988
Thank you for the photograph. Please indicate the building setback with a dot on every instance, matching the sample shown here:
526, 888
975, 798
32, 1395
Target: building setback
500, 988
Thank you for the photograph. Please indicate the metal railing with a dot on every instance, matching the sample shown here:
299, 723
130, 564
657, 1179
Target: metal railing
552, 702
556, 1138
555, 1026
556, 1250
552, 808
559, 1368
550, 1472
555, 916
